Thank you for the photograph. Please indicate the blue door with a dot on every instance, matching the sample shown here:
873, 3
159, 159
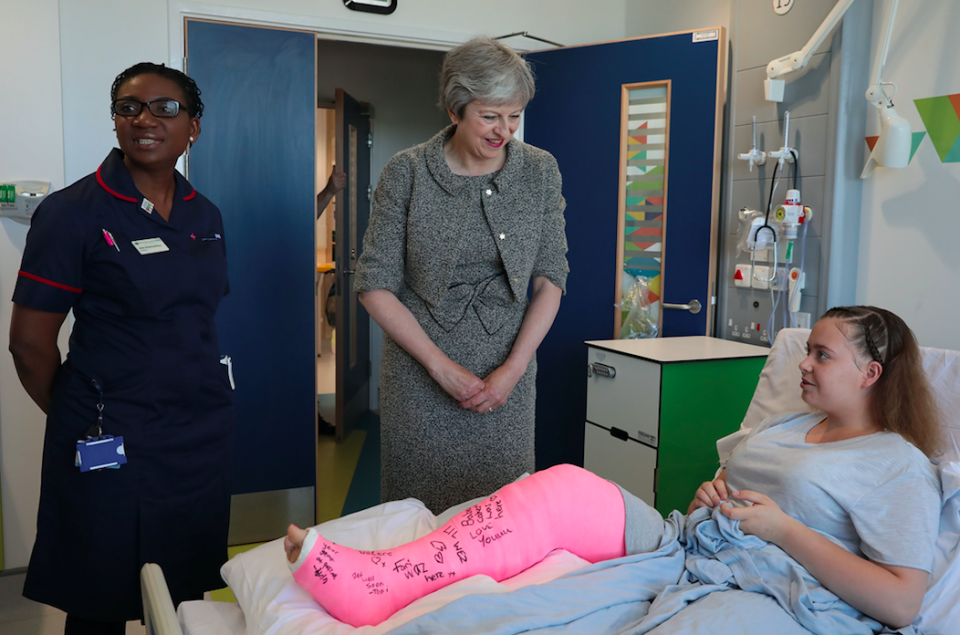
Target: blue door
255, 160
576, 115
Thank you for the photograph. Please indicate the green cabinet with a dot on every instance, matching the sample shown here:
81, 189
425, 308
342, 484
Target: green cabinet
655, 409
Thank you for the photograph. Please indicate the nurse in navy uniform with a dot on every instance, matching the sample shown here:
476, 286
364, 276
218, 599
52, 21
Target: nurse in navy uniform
139, 256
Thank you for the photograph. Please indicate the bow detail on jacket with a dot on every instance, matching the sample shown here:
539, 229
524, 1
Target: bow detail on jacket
491, 299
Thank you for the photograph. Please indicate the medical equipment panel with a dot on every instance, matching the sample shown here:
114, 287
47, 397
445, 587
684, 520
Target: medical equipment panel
811, 142
19, 199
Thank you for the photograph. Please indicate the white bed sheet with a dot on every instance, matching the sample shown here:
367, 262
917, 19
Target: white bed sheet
211, 618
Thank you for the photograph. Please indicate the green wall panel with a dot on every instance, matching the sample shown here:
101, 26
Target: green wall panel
699, 403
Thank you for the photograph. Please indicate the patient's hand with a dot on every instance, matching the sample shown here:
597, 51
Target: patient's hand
710, 493
293, 542
763, 519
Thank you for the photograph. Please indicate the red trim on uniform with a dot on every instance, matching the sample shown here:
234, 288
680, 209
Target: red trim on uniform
115, 193
50, 282
190, 195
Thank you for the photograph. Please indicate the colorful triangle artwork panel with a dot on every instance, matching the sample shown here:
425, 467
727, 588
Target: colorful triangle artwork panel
953, 156
955, 102
942, 121
654, 286
918, 138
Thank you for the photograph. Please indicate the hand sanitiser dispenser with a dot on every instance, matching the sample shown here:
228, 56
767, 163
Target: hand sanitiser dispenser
19, 199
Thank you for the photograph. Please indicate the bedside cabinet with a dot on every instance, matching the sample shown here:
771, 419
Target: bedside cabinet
656, 407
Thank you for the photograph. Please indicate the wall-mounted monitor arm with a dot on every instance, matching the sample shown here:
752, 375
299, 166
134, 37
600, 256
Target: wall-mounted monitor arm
875, 94
773, 86
894, 144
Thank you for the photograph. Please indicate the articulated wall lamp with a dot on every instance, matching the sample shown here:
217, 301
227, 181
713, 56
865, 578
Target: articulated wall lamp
893, 147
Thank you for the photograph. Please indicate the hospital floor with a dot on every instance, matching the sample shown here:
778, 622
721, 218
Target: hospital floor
348, 473
20, 616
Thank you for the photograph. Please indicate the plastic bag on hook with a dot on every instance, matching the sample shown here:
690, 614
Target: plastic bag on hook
749, 236
641, 320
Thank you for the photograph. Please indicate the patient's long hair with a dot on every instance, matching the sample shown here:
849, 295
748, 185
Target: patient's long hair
901, 400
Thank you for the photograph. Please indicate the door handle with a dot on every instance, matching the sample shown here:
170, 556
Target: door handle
694, 306
350, 272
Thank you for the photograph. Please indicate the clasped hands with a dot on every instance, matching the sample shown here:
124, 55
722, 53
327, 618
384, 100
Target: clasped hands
763, 518
473, 393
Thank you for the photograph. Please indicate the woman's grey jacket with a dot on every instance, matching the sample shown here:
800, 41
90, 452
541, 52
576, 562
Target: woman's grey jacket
419, 208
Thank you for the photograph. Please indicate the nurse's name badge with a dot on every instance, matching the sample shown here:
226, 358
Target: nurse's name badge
150, 246
98, 453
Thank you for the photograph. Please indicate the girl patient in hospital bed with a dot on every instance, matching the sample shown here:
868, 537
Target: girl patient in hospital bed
823, 487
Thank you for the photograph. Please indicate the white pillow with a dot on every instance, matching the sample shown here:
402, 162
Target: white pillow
943, 370
778, 389
940, 614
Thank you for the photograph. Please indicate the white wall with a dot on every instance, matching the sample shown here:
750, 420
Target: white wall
69, 52
653, 17
32, 150
102, 37
910, 218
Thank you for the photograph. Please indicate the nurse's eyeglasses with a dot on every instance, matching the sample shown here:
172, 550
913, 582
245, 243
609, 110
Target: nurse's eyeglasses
163, 108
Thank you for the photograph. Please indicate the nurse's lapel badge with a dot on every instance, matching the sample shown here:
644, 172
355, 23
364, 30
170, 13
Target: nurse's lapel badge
147, 206
150, 246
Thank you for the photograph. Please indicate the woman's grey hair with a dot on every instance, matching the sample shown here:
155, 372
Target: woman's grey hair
485, 70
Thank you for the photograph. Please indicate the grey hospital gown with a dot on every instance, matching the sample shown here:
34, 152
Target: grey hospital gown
459, 252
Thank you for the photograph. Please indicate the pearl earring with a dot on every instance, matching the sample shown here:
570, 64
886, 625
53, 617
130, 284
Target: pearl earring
191, 139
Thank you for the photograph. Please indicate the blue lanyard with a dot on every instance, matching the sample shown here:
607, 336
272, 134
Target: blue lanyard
96, 430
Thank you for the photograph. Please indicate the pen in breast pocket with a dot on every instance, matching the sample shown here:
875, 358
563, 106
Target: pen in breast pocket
107, 236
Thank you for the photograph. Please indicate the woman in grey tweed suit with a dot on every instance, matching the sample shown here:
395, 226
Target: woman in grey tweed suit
461, 225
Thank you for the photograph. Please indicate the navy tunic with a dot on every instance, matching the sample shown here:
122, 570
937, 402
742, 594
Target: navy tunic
145, 332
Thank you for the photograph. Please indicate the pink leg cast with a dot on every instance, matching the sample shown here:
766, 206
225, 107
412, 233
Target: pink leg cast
562, 507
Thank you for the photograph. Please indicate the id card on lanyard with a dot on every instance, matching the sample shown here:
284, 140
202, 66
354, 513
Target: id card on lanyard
99, 450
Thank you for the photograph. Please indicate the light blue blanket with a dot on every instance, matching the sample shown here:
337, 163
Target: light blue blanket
706, 577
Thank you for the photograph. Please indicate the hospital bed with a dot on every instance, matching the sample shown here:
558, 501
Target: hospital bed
270, 603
